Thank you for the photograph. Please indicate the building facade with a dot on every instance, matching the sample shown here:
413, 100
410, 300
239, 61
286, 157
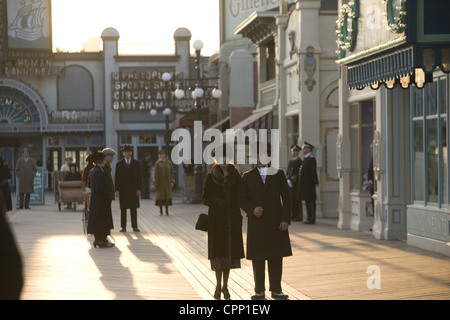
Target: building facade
66, 104
297, 84
394, 64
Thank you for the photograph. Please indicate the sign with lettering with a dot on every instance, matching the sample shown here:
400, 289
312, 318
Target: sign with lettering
236, 11
140, 89
16, 107
143, 89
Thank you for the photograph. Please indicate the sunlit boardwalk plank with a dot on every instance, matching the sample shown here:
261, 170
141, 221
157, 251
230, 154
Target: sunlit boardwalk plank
168, 260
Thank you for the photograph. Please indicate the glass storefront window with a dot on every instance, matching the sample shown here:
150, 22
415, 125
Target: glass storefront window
361, 129
147, 139
429, 141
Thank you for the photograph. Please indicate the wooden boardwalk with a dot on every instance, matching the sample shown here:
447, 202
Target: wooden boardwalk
168, 260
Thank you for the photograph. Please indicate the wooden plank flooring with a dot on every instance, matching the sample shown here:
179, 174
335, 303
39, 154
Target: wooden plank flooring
168, 260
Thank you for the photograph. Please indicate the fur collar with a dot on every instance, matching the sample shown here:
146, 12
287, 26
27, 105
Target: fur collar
220, 179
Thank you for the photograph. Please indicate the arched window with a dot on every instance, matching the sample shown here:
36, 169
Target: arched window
75, 89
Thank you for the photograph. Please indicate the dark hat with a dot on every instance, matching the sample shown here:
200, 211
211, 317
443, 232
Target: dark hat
295, 147
72, 165
126, 147
98, 156
308, 145
89, 156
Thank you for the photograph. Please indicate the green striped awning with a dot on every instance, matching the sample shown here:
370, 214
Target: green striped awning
381, 69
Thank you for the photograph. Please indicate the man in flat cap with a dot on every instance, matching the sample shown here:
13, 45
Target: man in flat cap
128, 187
307, 183
292, 180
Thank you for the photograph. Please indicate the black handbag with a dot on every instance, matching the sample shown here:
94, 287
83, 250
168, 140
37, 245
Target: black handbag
202, 222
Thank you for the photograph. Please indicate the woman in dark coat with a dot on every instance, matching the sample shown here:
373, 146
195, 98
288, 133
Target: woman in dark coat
100, 220
225, 245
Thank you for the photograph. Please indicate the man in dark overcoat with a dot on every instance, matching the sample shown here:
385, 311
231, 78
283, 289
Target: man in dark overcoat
265, 196
25, 171
292, 180
128, 183
307, 183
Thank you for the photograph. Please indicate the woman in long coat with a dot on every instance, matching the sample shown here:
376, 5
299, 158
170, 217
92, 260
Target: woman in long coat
100, 220
225, 245
163, 180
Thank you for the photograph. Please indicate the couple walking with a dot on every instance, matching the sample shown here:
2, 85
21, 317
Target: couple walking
266, 200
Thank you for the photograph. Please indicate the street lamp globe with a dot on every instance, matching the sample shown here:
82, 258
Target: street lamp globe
179, 93
198, 92
167, 111
166, 76
216, 93
198, 45
153, 112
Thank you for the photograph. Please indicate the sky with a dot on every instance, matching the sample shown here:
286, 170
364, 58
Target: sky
149, 22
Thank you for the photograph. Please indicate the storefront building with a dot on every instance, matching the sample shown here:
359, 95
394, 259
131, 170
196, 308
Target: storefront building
298, 84
66, 104
394, 64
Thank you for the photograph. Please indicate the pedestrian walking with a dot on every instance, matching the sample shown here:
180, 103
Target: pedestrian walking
265, 197
100, 221
164, 181
5, 175
307, 183
225, 244
292, 180
128, 187
146, 171
25, 171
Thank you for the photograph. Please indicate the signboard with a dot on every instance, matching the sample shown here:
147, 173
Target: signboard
29, 24
236, 11
142, 89
37, 197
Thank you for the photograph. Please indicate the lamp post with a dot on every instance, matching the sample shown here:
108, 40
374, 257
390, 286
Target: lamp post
197, 94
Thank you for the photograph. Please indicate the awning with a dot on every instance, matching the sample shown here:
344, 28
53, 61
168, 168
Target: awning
220, 123
412, 65
187, 120
381, 69
259, 120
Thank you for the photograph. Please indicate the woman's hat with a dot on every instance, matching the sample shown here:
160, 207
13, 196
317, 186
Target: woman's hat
97, 157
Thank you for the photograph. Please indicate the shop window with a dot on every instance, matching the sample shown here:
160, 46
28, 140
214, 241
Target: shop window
97, 141
362, 124
75, 89
429, 143
126, 140
147, 139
